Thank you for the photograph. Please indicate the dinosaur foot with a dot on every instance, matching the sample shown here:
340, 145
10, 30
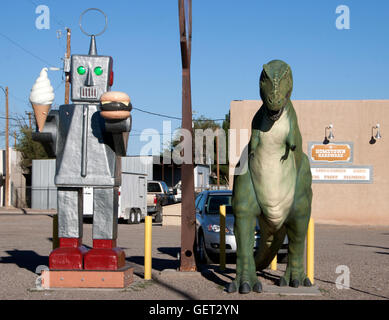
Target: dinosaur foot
244, 287
295, 283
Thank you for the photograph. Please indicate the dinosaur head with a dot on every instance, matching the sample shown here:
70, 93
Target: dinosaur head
275, 87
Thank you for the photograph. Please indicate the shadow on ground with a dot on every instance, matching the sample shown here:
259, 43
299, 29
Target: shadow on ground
157, 263
366, 246
355, 289
215, 275
25, 259
171, 251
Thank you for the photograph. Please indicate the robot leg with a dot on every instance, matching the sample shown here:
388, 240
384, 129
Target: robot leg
70, 254
105, 255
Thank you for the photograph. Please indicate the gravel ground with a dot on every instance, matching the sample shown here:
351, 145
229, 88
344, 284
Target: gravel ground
25, 243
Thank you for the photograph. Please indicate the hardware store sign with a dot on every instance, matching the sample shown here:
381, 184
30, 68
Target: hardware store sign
330, 153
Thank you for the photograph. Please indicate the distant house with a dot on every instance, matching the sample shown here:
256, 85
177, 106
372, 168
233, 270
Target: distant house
17, 180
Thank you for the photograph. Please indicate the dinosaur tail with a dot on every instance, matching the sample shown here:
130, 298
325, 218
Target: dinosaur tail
269, 244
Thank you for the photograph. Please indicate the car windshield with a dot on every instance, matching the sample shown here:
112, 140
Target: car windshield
153, 187
215, 201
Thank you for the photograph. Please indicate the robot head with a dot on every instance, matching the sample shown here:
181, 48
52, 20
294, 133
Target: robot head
90, 75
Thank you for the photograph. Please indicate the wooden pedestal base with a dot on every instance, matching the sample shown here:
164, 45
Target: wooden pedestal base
87, 278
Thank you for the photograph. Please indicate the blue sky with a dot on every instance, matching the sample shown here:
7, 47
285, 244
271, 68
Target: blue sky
231, 41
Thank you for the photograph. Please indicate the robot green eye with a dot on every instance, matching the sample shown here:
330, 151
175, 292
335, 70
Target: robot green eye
81, 70
98, 71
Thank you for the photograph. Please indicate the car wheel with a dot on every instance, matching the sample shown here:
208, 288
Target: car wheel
203, 255
131, 218
138, 217
158, 216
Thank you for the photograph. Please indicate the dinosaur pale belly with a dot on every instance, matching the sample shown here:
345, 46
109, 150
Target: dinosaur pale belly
273, 173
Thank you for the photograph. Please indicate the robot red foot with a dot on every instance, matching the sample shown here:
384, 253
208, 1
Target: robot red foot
71, 255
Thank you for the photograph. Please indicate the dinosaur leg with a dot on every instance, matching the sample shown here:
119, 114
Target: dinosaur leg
246, 209
296, 228
269, 243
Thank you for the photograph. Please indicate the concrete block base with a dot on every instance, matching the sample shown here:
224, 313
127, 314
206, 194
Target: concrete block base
289, 291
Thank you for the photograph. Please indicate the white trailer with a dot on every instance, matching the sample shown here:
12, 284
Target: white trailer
133, 197
132, 205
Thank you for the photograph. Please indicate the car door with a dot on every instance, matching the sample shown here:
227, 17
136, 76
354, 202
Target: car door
198, 213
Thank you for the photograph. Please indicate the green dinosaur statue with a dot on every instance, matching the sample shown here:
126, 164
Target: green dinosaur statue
276, 188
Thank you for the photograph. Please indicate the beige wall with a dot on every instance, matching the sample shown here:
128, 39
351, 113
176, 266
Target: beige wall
363, 204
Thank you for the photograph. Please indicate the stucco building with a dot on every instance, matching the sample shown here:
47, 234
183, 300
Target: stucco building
351, 173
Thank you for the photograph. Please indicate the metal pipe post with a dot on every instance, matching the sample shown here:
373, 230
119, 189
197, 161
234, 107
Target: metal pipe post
188, 213
222, 250
273, 264
148, 243
311, 250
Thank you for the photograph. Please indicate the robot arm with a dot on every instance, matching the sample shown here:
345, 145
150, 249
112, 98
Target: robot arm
120, 131
118, 126
48, 137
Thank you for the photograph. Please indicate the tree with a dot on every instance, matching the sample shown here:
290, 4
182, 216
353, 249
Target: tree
224, 169
29, 148
204, 123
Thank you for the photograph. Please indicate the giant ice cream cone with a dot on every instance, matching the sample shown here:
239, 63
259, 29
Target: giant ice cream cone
41, 98
41, 111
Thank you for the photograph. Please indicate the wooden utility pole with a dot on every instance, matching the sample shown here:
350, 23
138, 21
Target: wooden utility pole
188, 214
6, 150
29, 119
217, 160
67, 75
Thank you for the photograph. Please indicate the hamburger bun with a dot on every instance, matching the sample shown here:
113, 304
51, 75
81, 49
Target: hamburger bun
115, 115
115, 96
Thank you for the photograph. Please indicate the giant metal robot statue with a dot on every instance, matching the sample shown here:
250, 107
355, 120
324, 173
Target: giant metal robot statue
276, 188
87, 148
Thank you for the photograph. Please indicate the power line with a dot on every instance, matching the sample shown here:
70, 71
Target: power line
25, 50
172, 117
157, 114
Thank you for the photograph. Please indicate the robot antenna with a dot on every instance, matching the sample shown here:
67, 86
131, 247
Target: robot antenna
97, 34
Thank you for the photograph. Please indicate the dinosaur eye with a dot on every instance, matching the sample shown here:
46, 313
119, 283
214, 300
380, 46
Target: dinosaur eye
98, 71
81, 70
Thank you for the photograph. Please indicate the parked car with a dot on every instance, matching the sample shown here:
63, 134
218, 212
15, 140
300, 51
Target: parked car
158, 195
207, 206
177, 192
154, 207
158, 188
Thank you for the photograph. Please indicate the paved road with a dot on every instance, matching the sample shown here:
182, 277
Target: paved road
25, 243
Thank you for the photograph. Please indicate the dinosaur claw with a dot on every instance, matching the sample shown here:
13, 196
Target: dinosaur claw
257, 287
307, 283
283, 282
295, 283
231, 287
244, 288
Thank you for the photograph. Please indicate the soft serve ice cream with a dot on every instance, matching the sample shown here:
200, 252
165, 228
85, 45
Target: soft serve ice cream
41, 98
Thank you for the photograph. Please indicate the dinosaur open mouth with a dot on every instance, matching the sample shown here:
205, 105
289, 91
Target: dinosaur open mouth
274, 115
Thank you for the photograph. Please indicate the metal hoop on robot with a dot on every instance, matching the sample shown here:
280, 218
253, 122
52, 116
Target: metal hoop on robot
97, 34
